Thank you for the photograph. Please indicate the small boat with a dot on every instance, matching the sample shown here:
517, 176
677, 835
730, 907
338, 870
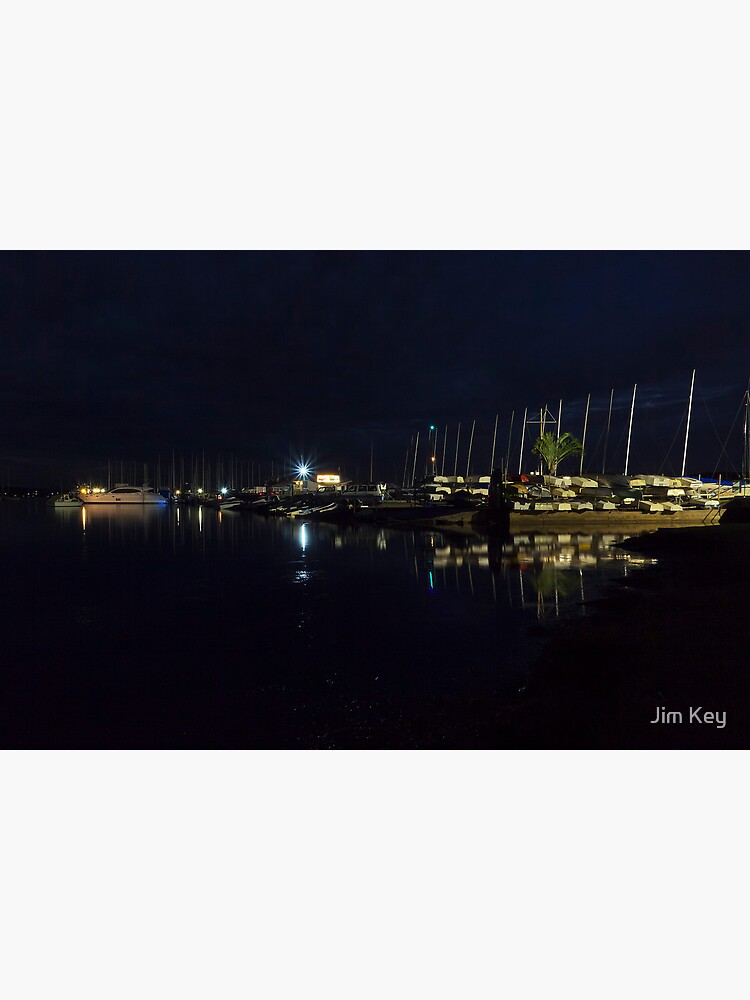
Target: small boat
658, 481
671, 508
66, 500
583, 482
233, 502
651, 507
124, 494
331, 508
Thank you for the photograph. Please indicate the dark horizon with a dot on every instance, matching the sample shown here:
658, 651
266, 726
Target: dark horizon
263, 358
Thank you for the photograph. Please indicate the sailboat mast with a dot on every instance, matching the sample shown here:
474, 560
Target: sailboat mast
455, 461
510, 436
523, 435
494, 439
606, 436
414, 470
559, 419
471, 442
746, 443
687, 427
583, 441
630, 429
542, 417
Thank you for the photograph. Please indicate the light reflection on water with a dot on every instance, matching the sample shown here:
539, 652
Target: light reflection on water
185, 626
540, 571
543, 572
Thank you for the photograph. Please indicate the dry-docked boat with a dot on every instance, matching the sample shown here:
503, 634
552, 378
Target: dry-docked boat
145, 496
651, 506
603, 502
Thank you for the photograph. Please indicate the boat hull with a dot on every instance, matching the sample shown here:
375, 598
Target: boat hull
96, 501
132, 496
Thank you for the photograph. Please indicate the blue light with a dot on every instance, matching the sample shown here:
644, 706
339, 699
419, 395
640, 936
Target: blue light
432, 585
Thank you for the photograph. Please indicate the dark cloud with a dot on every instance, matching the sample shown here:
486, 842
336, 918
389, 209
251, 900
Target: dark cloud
131, 355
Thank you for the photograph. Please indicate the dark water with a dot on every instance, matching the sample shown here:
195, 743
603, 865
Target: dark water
187, 628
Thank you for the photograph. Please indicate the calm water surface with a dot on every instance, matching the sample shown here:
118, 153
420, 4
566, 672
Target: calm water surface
183, 627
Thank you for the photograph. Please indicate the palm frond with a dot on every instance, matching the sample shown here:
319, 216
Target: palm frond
552, 450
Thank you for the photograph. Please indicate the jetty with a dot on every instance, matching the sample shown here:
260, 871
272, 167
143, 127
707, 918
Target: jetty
628, 503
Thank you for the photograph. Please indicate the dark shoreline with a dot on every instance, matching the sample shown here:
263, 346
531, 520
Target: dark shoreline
676, 637
673, 636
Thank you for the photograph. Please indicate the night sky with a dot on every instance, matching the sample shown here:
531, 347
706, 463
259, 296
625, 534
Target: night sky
125, 357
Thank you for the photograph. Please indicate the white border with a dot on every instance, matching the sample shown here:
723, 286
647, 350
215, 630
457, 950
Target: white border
371, 875
399, 125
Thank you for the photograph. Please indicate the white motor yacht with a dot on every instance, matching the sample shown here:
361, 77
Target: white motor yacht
124, 494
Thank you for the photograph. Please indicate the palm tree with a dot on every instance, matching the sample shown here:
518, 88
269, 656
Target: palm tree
552, 450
